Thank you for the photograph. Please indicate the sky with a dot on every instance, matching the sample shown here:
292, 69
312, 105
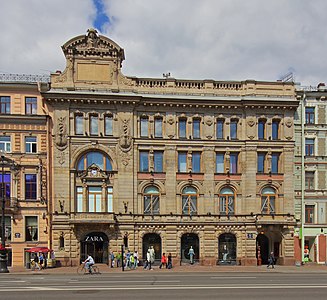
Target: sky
191, 39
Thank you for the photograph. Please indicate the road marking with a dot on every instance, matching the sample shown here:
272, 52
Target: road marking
233, 277
133, 281
2, 281
78, 288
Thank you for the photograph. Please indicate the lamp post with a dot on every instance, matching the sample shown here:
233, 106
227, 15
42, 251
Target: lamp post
3, 253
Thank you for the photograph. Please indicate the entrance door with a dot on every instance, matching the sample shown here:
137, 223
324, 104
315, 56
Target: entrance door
188, 240
152, 239
263, 246
227, 249
96, 245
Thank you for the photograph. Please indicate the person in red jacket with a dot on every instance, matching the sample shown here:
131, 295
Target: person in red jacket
163, 260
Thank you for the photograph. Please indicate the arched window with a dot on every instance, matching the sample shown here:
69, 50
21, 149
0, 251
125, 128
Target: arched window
268, 197
151, 199
226, 201
189, 200
97, 158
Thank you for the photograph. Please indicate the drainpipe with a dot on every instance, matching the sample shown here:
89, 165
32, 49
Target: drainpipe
302, 173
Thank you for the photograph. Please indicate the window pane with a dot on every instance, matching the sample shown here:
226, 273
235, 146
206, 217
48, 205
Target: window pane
196, 128
261, 129
79, 199
182, 128
151, 190
220, 129
31, 105
309, 213
98, 202
94, 125
196, 162
6, 182
309, 147
144, 161
110, 199
108, 125
7, 227
274, 162
30, 186
309, 115
261, 162
182, 162
233, 163
275, 129
95, 158
220, 163
5, 143
309, 180
78, 124
5, 105
158, 127
144, 127
31, 229
233, 129
158, 161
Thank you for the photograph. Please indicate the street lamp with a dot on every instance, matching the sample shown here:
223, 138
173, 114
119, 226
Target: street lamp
5, 162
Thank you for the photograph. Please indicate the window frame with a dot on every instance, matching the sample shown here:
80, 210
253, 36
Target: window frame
309, 214
225, 207
268, 201
233, 129
233, 162
182, 154
79, 124
31, 105
5, 145
94, 124
196, 162
275, 130
158, 126
32, 226
196, 128
151, 201
309, 180
262, 129
144, 126
261, 165
144, 165
30, 187
220, 129
31, 146
221, 155
309, 115
309, 147
158, 161
189, 201
5, 103
182, 131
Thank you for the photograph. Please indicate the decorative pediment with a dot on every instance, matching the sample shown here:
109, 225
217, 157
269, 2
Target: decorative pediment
93, 173
93, 44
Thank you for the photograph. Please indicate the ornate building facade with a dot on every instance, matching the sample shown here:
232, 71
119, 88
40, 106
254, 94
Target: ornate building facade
168, 163
24, 141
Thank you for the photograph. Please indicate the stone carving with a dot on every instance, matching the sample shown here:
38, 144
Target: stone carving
251, 130
125, 140
288, 122
92, 38
61, 134
208, 129
288, 128
170, 129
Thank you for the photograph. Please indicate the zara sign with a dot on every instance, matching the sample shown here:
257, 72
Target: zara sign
96, 237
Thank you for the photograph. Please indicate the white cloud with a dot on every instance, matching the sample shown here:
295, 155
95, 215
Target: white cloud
217, 39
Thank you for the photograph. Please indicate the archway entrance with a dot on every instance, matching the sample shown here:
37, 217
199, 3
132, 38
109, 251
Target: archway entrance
152, 239
188, 240
95, 244
263, 246
227, 249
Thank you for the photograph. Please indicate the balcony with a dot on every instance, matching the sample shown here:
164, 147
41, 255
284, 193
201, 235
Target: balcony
11, 205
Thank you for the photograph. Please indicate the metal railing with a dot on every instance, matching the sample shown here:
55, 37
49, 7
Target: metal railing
30, 78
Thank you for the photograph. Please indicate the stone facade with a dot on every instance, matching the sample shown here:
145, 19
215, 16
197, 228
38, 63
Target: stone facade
24, 141
168, 163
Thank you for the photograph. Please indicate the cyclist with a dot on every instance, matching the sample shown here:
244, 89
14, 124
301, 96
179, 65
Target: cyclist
88, 263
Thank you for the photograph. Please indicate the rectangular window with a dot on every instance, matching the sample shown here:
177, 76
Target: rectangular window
4, 105
182, 128
220, 164
31, 229
30, 144
196, 128
275, 130
5, 143
275, 163
261, 162
309, 115
144, 161
94, 196
108, 125
233, 163
6, 183
79, 122
31, 105
309, 180
309, 147
261, 129
110, 199
158, 127
7, 228
94, 125
30, 187
158, 161
196, 162
220, 129
233, 129
309, 214
182, 167
79, 199
144, 127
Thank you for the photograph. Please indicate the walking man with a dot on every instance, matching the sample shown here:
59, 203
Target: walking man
271, 260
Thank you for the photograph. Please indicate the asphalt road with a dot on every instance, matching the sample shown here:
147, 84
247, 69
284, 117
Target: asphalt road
165, 286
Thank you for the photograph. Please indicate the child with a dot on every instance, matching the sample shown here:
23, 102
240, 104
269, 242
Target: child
163, 261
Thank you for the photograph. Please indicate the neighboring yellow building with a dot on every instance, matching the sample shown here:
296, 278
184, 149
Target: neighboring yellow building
24, 140
168, 163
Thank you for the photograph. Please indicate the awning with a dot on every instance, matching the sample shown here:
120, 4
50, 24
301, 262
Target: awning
39, 249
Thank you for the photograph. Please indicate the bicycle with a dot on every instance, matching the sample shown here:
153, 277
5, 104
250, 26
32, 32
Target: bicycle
82, 270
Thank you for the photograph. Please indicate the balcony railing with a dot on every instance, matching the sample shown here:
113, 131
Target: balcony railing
30, 78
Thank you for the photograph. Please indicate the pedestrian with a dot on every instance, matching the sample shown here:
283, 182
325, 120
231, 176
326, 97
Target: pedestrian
41, 260
148, 264
118, 259
169, 261
128, 259
163, 261
191, 254
152, 255
271, 260
112, 259
36, 262
136, 259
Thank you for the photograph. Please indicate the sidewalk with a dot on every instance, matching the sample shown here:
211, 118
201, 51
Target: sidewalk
104, 269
